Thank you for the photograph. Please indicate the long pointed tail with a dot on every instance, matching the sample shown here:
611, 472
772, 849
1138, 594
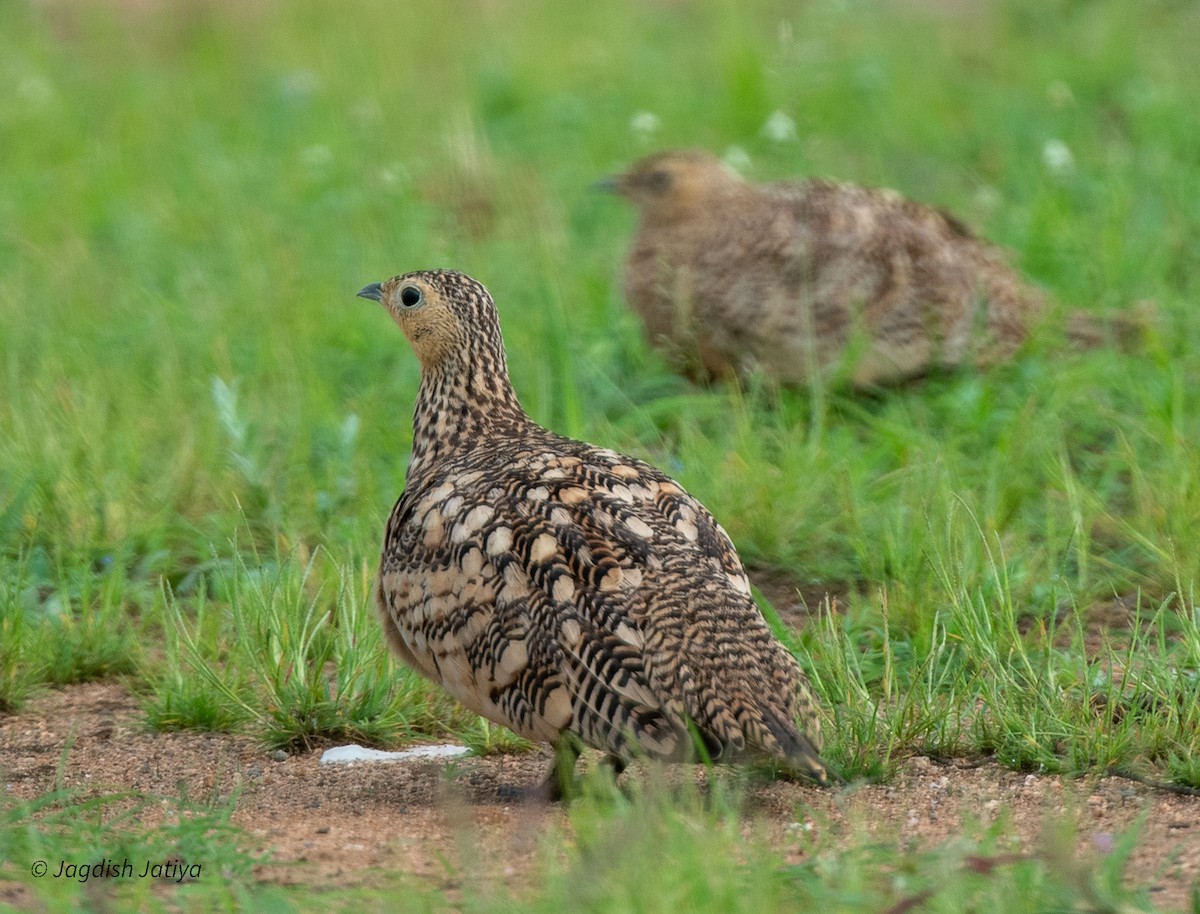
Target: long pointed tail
1126, 329
797, 752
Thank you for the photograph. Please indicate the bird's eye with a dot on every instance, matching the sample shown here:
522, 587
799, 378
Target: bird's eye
410, 296
658, 181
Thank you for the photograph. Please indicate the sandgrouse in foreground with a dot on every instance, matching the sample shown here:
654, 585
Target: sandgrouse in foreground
815, 278
568, 592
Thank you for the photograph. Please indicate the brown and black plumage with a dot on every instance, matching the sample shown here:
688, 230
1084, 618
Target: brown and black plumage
568, 592
813, 278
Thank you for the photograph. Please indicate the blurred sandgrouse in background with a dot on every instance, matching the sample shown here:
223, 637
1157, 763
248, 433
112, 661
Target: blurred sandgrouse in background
794, 279
571, 593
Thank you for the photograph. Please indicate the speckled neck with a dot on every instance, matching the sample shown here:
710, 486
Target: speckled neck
464, 402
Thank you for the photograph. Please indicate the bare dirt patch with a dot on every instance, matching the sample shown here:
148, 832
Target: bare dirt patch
794, 600
356, 824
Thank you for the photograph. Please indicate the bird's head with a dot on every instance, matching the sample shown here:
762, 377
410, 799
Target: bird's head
447, 317
674, 184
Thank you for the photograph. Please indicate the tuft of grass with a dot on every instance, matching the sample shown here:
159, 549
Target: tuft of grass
1045, 700
67, 827
611, 857
61, 626
22, 667
487, 738
296, 652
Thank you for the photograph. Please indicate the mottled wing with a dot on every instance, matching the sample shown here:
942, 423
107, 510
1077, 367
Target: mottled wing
499, 589
588, 593
943, 295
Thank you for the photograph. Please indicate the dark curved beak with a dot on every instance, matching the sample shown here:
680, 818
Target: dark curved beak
374, 290
609, 184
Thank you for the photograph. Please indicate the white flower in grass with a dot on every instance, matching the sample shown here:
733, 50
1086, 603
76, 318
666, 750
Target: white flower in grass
644, 124
737, 158
366, 112
316, 158
987, 199
393, 177
1060, 94
780, 128
36, 91
299, 84
1056, 156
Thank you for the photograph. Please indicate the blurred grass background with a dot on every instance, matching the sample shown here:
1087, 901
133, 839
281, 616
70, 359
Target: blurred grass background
191, 196
202, 429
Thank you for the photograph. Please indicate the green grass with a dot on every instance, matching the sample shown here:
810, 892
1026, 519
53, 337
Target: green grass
202, 429
297, 658
64, 826
615, 863
607, 857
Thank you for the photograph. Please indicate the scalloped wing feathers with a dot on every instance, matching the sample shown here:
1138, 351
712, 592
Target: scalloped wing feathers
575, 589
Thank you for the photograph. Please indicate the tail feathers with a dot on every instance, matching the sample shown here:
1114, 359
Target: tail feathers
788, 746
1126, 329
754, 735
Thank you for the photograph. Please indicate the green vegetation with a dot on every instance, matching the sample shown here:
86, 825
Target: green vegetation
202, 429
63, 826
617, 866
617, 846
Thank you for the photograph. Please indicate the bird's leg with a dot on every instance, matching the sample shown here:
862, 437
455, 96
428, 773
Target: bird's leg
561, 783
560, 779
615, 765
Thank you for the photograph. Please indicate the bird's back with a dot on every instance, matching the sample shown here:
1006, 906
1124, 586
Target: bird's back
557, 587
796, 277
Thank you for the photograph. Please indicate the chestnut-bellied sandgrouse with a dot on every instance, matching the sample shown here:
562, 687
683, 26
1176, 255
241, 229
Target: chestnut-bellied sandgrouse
573, 594
818, 278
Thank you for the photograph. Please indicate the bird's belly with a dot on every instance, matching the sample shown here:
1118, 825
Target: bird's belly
464, 650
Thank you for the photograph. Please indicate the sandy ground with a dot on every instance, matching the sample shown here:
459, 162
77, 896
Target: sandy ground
351, 824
